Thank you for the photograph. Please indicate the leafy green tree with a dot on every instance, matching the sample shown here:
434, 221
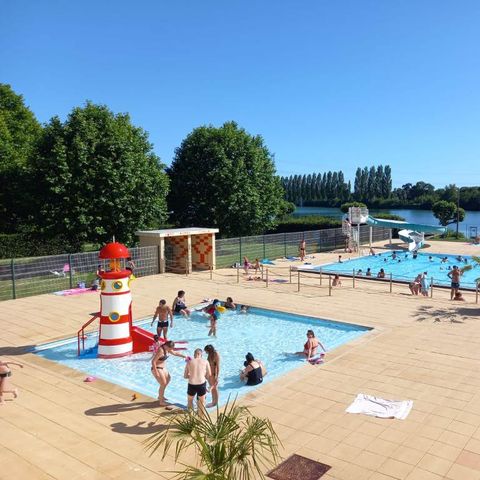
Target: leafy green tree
446, 212
233, 444
224, 177
19, 132
97, 176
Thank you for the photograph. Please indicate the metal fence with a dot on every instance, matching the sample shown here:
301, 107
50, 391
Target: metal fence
232, 250
25, 277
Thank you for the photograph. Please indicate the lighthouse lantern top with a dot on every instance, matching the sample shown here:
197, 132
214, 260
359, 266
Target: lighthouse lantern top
114, 250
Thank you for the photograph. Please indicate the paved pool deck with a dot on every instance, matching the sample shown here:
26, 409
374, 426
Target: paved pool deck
423, 349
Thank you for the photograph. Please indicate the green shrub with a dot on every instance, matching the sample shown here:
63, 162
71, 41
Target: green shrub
17, 245
388, 216
451, 236
307, 222
345, 206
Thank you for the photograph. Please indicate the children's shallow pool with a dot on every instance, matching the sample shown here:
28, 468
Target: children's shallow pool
270, 335
404, 268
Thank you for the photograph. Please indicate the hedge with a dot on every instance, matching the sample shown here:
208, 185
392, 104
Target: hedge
307, 222
18, 245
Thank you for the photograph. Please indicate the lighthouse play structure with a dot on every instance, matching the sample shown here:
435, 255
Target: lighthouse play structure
117, 336
115, 339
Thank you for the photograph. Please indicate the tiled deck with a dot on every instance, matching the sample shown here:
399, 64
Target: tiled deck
423, 349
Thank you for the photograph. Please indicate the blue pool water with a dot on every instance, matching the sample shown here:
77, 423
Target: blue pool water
408, 267
267, 334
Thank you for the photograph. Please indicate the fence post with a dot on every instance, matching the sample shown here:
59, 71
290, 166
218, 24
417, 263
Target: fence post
266, 279
186, 269
159, 259
298, 281
476, 293
240, 260
290, 272
320, 276
391, 285
285, 245
70, 270
329, 285
211, 272
12, 271
353, 278
431, 288
261, 269
264, 252
238, 274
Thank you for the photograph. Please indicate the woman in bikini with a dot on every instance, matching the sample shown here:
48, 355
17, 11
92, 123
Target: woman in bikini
311, 346
214, 361
159, 368
5, 373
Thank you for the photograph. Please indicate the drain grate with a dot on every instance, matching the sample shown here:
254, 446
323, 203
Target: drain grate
296, 467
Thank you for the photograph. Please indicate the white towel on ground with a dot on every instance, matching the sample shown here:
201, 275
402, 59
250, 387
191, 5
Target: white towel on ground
379, 407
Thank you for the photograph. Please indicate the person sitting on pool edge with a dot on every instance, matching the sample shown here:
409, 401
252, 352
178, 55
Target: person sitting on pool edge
381, 273
179, 306
253, 372
311, 346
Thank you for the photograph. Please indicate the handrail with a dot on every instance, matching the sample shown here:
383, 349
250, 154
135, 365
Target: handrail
82, 332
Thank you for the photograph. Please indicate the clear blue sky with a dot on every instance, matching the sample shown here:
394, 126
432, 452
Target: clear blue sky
328, 84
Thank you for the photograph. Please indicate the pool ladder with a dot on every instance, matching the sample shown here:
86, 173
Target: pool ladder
81, 333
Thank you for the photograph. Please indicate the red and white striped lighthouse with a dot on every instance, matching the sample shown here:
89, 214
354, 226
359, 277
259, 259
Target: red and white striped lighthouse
115, 338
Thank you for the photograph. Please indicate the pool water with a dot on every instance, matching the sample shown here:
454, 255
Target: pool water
270, 335
408, 268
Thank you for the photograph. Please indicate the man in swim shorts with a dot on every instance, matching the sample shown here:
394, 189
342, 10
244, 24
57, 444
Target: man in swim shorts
163, 312
197, 372
455, 273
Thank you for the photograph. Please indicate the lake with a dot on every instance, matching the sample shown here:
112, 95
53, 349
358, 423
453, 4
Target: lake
425, 217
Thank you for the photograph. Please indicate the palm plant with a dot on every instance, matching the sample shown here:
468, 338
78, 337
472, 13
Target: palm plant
232, 444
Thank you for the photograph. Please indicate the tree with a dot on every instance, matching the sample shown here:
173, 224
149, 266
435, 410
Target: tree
387, 182
224, 177
232, 445
19, 132
446, 212
97, 176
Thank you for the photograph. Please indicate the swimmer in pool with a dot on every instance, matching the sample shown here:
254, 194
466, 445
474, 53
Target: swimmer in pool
229, 304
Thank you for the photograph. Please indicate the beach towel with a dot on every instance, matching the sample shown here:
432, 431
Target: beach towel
380, 407
266, 261
74, 291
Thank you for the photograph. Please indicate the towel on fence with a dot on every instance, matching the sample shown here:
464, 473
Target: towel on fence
379, 407
73, 291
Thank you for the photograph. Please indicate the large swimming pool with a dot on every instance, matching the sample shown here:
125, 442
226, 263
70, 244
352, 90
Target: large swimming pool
270, 335
405, 267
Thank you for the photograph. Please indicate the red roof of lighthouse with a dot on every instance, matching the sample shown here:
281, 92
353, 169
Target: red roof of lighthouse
114, 250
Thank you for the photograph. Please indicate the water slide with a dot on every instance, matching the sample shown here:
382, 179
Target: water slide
411, 233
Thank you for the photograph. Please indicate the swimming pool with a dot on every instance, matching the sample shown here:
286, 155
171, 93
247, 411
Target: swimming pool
267, 334
405, 268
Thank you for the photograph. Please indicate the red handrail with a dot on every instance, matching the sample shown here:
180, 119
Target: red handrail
82, 332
